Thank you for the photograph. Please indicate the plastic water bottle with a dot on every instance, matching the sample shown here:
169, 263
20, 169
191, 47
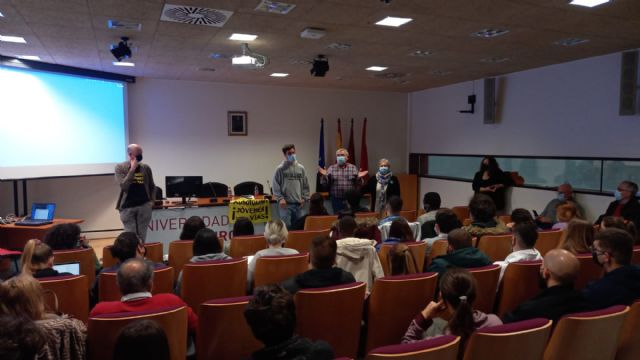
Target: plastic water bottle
256, 191
229, 192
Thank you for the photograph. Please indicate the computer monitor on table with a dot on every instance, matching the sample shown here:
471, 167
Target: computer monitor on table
183, 186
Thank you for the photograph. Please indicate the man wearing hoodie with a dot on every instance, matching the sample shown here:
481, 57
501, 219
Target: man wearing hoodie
357, 256
523, 241
206, 247
322, 272
460, 253
290, 186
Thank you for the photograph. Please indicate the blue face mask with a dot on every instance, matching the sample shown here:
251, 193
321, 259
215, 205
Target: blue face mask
560, 196
291, 158
341, 160
383, 170
618, 195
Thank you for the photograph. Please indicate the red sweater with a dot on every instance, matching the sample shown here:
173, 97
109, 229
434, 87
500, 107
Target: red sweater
158, 301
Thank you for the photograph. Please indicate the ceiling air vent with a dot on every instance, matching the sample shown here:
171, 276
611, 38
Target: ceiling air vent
124, 25
195, 15
275, 7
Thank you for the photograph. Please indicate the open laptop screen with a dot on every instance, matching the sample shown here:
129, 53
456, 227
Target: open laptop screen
43, 211
72, 268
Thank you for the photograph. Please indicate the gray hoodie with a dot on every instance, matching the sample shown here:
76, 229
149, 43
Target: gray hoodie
201, 258
290, 182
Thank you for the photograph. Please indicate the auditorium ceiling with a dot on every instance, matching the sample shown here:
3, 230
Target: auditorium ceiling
75, 33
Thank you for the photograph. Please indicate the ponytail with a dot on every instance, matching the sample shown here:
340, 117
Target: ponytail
35, 256
461, 323
27, 256
458, 289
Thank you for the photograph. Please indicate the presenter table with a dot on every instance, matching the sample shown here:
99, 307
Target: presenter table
14, 236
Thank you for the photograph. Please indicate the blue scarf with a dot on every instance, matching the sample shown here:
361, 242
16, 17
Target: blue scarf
383, 180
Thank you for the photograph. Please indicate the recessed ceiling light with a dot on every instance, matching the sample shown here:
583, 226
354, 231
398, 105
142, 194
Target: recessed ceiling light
393, 21
243, 37
588, 3
421, 53
377, 68
279, 75
13, 39
571, 41
1, 15
489, 33
276, 7
123, 63
29, 57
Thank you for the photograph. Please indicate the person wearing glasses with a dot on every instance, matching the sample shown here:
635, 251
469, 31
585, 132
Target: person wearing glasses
612, 249
626, 204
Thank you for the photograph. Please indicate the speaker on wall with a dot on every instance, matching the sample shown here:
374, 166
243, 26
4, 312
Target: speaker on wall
490, 101
629, 83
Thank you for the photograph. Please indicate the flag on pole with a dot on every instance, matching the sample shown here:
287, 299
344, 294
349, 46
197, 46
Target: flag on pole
339, 136
364, 154
352, 146
321, 158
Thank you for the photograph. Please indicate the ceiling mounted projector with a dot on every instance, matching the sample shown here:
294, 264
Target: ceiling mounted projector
250, 59
122, 50
320, 66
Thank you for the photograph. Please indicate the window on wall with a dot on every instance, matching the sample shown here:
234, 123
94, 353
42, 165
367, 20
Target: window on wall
594, 175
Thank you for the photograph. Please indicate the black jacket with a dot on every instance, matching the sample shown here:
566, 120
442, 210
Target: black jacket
318, 278
499, 195
618, 287
552, 303
297, 348
393, 189
630, 211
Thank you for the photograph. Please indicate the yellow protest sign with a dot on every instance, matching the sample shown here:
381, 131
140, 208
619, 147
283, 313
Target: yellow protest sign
257, 210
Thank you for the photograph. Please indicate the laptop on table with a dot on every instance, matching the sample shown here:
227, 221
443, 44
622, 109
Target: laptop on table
41, 214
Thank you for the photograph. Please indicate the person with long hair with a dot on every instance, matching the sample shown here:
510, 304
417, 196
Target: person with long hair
401, 261
578, 237
37, 260
458, 289
206, 247
490, 180
316, 208
191, 227
399, 232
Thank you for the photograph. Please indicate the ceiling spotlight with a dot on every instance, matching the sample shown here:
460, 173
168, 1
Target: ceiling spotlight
320, 66
122, 50
588, 3
376, 68
393, 21
243, 37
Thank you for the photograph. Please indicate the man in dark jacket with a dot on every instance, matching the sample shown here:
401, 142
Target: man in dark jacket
460, 253
323, 273
620, 285
626, 204
271, 315
558, 297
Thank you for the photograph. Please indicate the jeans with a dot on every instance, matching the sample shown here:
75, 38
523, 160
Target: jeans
337, 204
136, 219
290, 214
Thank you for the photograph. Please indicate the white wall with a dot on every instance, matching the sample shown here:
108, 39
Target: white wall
182, 126
569, 109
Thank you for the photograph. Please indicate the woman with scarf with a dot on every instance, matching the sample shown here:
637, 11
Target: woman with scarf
382, 187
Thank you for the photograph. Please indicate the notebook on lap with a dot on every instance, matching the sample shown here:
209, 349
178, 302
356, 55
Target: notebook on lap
41, 214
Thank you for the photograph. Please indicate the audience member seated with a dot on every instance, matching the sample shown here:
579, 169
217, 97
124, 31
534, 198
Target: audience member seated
67, 237
140, 340
191, 228
242, 227
275, 232
548, 216
626, 204
558, 271
483, 217
126, 246
431, 203
8, 264
353, 198
460, 253
20, 338
393, 208
520, 216
620, 285
523, 241
206, 247
399, 231
271, 315
37, 260
458, 290
368, 229
316, 208
565, 213
446, 221
401, 261
620, 223
135, 279
22, 297
578, 237
322, 272
357, 256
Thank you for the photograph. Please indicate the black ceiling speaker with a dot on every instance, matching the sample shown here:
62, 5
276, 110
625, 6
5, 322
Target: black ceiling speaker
320, 66
629, 83
122, 50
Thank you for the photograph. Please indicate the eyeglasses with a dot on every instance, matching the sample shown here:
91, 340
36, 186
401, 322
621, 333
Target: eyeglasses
622, 189
596, 251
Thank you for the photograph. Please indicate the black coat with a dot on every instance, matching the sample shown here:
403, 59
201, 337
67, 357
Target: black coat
630, 211
393, 189
499, 195
551, 303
